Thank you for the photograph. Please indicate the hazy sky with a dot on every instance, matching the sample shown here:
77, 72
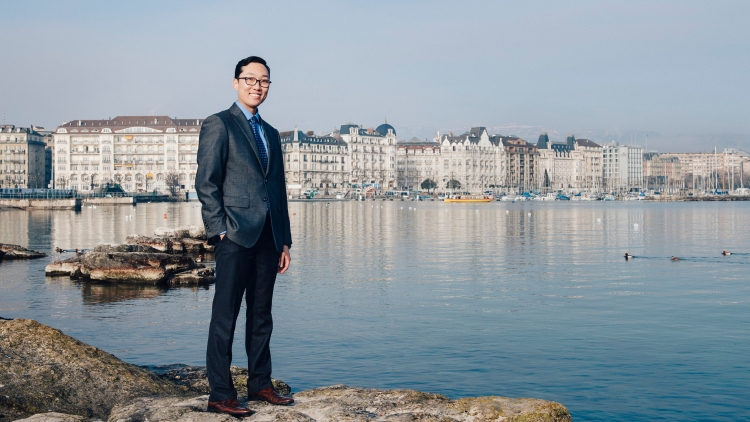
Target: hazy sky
671, 68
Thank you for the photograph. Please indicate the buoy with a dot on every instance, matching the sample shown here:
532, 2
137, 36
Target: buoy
529, 214
165, 215
506, 211
294, 213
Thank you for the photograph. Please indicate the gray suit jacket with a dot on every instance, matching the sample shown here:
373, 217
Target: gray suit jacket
232, 185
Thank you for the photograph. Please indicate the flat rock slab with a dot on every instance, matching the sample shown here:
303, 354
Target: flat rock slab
8, 251
43, 370
126, 247
342, 403
172, 245
129, 267
195, 232
195, 378
52, 417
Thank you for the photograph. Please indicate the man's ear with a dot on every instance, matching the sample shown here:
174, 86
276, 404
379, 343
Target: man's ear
235, 84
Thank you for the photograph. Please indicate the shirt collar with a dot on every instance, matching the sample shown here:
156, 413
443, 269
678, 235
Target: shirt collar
247, 112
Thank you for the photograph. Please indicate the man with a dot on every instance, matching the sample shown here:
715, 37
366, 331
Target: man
240, 183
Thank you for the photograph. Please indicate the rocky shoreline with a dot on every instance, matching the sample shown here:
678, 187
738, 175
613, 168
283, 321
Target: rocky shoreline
161, 259
46, 375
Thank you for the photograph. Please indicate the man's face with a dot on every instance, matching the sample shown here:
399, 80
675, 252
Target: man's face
251, 96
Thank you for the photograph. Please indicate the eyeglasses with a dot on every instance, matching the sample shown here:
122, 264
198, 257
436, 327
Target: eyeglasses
264, 83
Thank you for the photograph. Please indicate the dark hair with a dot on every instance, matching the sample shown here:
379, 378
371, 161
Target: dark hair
244, 62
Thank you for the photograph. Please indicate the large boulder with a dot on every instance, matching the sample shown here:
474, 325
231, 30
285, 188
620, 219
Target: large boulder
43, 370
8, 251
342, 403
131, 267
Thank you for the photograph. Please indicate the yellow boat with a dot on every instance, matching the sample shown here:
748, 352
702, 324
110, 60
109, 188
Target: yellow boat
468, 199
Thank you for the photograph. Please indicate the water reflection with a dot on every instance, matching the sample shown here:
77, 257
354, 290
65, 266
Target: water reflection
524, 299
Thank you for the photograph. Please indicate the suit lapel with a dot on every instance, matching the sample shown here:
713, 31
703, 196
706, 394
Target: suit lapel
242, 122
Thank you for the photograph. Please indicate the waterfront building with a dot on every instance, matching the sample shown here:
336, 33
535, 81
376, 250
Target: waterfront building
314, 162
712, 170
418, 163
373, 155
588, 164
49, 143
622, 166
661, 172
558, 167
21, 158
137, 152
522, 158
472, 162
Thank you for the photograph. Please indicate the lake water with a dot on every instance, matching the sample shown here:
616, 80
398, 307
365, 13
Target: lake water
528, 299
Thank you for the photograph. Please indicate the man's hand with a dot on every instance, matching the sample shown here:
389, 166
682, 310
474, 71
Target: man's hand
284, 260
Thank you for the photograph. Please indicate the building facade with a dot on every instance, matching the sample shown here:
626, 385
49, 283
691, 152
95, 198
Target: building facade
314, 162
704, 171
137, 152
575, 164
622, 167
373, 155
521, 165
472, 162
416, 163
661, 172
21, 158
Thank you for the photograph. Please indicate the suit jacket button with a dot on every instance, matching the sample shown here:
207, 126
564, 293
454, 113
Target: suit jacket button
265, 199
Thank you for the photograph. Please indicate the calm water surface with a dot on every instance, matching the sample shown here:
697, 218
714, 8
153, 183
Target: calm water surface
521, 300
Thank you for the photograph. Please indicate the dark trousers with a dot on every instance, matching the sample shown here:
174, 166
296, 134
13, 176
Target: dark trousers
242, 270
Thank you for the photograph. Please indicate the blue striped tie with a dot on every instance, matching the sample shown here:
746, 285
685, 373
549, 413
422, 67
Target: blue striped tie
261, 146
261, 149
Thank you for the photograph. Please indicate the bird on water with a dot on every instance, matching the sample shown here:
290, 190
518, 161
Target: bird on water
628, 256
725, 253
674, 258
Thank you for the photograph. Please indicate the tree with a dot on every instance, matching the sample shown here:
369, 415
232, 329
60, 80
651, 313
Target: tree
428, 184
93, 180
172, 182
453, 184
61, 182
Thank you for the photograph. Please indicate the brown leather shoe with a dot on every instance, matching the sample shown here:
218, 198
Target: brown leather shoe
271, 396
230, 407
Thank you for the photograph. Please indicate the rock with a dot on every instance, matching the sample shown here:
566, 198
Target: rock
196, 277
43, 370
70, 267
195, 232
342, 403
168, 409
132, 267
8, 251
52, 417
172, 245
126, 247
195, 378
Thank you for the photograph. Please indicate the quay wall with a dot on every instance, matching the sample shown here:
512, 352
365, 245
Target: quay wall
42, 204
128, 200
